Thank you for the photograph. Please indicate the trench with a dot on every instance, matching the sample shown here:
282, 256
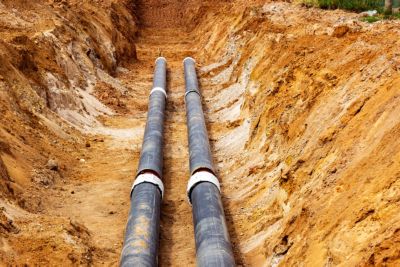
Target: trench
176, 229
121, 155
162, 33
176, 220
301, 107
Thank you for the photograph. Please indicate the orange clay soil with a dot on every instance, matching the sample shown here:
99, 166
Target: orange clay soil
302, 108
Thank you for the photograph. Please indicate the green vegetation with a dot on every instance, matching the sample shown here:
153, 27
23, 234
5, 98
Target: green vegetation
371, 19
354, 5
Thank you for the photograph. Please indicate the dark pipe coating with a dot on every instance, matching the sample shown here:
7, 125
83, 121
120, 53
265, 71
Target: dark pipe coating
142, 230
213, 247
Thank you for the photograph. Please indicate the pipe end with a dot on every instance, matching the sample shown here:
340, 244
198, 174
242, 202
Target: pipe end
189, 58
161, 58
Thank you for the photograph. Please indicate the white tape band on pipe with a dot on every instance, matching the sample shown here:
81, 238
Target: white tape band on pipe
149, 178
202, 176
158, 89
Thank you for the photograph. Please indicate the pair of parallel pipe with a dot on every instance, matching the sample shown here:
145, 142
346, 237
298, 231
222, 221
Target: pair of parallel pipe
213, 247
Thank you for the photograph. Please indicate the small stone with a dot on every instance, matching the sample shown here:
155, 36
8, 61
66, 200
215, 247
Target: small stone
78, 229
52, 164
340, 31
87, 144
82, 160
7, 223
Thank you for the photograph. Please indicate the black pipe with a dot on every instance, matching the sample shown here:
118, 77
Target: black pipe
142, 230
213, 247
151, 157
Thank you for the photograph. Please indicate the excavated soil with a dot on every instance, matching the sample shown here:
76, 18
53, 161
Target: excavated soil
302, 108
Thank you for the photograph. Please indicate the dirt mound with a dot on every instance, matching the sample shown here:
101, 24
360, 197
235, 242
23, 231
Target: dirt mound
313, 107
52, 55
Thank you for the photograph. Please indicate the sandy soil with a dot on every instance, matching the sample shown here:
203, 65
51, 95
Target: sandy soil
302, 108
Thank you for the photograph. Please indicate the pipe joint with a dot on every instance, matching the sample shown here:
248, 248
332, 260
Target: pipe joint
199, 177
149, 178
192, 91
155, 89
